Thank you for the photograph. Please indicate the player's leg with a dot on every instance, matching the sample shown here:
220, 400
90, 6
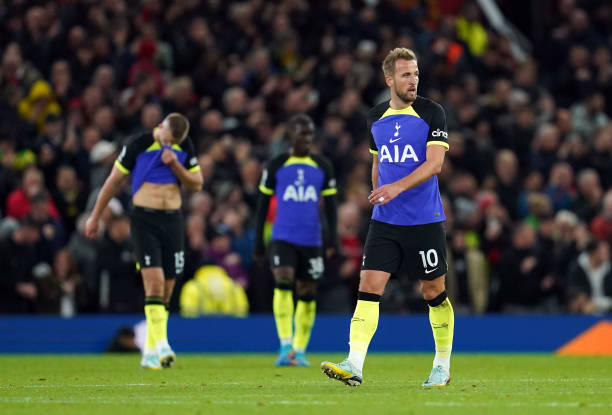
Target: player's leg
173, 259
284, 261
305, 311
363, 326
442, 320
382, 257
148, 255
155, 312
310, 269
282, 306
431, 250
166, 354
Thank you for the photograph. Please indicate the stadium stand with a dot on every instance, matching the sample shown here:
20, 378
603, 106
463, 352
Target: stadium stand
527, 182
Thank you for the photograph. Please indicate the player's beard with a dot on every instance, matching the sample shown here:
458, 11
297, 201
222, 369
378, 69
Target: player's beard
405, 97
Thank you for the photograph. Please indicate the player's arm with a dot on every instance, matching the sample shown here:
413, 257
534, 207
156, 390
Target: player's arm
374, 152
263, 203
189, 173
431, 167
331, 203
331, 215
374, 171
192, 180
111, 186
266, 190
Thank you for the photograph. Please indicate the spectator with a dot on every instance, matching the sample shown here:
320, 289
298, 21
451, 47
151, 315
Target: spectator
68, 196
588, 115
78, 77
19, 202
39, 104
589, 280
586, 204
560, 188
18, 258
119, 283
84, 253
601, 225
52, 232
525, 280
62, 291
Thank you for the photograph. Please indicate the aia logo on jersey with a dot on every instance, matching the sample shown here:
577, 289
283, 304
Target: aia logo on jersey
300, 193
393, 154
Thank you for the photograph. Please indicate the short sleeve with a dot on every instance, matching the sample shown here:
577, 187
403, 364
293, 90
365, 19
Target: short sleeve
268, 176
127, 157
437, 128
373, 147
191, 161
329, 184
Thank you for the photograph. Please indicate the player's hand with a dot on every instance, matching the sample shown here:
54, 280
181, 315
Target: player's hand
384, 194
91, 227
168, 157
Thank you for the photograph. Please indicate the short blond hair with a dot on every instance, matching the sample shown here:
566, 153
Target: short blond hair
388, 65
179, 126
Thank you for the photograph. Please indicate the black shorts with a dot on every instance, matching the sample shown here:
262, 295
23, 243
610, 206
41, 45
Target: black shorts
417, 252
307, 261
159, 239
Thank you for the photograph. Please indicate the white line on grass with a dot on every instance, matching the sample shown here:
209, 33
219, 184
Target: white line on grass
78, 386
517, 404
130, 401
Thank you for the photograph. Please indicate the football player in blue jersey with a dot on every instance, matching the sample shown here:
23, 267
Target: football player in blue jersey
298, 179
406, 237
159, 162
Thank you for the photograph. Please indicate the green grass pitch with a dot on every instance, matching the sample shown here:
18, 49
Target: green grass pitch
250, 384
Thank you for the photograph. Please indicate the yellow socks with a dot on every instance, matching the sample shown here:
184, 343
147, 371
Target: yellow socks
156, 315
442, 321
282, 305
363, 327
304, 320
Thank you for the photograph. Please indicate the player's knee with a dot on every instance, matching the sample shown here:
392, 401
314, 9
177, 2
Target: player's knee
431, 291
283, 276
306, 291
372, 286
154, 289
284, 281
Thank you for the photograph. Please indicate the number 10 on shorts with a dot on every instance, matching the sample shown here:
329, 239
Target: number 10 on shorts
430, 259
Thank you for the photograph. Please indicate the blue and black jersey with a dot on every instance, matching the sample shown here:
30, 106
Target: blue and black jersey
141, 157
298, 183
400, 139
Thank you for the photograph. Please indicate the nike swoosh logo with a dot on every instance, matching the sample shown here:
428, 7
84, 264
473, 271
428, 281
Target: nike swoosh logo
429, 271
391, 140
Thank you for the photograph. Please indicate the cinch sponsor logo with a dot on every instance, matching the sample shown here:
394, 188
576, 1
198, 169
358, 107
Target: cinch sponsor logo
439, 133
394, 156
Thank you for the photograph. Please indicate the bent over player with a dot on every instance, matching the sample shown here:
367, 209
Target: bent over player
406, 237
158, 162
298, 179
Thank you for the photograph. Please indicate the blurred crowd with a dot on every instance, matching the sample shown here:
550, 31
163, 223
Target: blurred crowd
527, 183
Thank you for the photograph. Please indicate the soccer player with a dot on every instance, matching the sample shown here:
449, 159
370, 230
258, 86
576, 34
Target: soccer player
159, 162
298, 179
406, 237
